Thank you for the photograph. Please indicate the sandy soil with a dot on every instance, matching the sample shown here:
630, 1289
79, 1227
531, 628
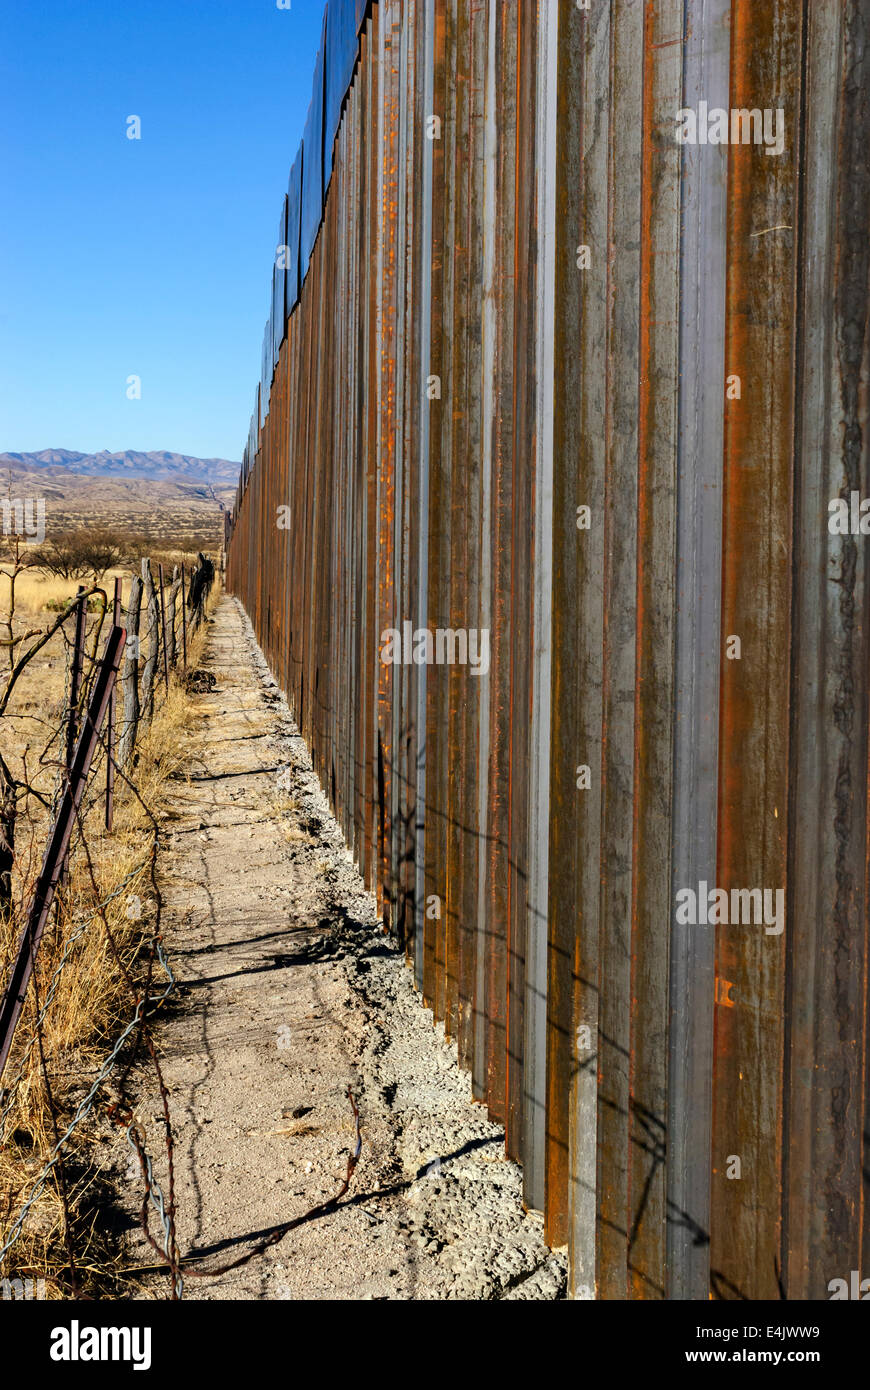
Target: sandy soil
288, 993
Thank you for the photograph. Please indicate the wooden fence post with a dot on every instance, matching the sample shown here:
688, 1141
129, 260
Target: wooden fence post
75, 690
149, 671
110, 723
163, 628
171, 605
131, 675
183, 620
200, 587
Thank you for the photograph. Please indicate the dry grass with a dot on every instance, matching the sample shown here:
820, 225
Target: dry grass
92, 1005
36, 708
35, 589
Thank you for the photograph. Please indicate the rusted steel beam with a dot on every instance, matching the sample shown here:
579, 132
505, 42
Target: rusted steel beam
697, 652
571, 1055
826, 1231
373, 806
622, 329
753, 751
540, 654
463, 510
646, 1132
486, 175
410, 145
434, 925
522, 422
425, 70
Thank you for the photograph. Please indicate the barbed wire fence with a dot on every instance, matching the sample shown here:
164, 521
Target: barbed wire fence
84, 756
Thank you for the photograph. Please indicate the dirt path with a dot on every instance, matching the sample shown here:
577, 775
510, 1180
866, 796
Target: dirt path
288, 993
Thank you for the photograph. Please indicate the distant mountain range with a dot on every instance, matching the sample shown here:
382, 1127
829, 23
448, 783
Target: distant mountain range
172, 499
159, 466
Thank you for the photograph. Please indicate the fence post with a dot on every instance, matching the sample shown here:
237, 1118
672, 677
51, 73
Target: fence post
200, 586
172, 604
110, 727
163, 628
149, 671
191, 596
183, 620
131, 675
75, 680
58, 846
75, 689
8, 809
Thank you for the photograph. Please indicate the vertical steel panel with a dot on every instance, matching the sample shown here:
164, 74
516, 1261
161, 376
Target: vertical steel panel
464, 466
497, 848
410, 140
620, 618
565, 1061
826, 1226
434, 848
588, 375
312, 172
426, 11
656, 533
535, 1007
753, 753
522, 520
279, 307
294, 226
697, 662
341, 53
487, 427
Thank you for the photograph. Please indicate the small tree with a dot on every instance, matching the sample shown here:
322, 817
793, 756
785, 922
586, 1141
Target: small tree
19, 557
102, 551
74, 555
63, 557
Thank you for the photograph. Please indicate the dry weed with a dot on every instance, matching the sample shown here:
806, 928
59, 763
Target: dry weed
101, 952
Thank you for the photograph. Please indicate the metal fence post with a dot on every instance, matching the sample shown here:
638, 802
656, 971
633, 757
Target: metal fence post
110, 730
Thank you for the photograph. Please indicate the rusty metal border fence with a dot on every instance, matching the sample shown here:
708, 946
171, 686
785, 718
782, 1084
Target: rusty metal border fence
557, 375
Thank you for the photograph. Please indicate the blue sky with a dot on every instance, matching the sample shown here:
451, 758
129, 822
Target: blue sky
149, 257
